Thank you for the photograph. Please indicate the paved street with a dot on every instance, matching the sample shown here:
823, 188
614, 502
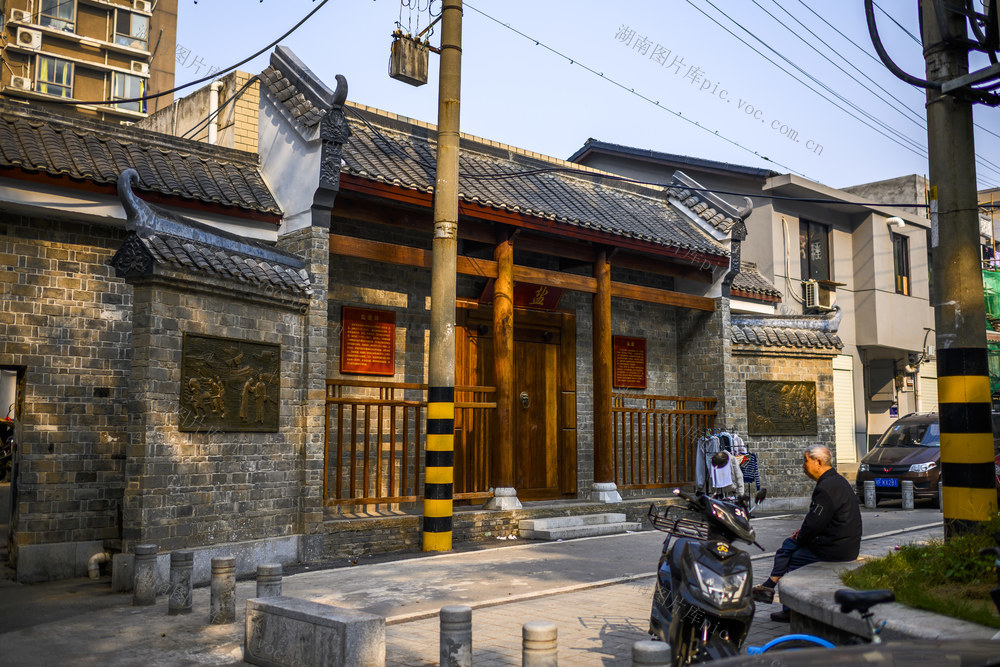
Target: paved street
597, 591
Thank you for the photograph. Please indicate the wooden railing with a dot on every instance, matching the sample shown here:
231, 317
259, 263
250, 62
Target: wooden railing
375, 442
655, 437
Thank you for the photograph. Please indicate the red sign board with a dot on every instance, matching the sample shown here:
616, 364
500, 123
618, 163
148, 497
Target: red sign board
629, 362
367, 341
526, 295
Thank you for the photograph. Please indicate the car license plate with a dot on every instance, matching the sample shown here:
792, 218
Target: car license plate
886, 481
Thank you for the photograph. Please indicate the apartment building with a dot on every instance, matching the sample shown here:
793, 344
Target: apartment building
76, 54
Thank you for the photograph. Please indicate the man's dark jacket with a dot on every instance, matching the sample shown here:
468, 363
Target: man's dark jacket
832, 528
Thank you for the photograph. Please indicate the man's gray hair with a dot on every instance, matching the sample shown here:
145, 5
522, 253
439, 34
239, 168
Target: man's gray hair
820, 453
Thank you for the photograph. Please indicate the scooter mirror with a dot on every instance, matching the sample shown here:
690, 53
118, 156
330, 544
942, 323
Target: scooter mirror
759, 498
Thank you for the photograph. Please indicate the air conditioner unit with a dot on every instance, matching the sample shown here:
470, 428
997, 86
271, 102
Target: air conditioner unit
20, 16
140, 67
20, 82
142, 6
29, 39
817, 296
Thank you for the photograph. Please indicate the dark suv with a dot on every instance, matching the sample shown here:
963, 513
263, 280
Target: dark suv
911, 449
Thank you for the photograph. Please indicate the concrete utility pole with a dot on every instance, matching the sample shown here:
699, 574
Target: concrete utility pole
440, 452
969, 493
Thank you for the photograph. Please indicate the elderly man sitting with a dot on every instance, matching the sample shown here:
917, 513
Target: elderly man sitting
831, 530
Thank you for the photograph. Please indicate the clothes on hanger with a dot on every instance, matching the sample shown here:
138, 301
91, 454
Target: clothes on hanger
739, 447
725, 476
706, 447
750, 470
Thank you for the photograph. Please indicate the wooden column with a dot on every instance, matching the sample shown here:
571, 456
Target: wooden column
502, 454
603, 471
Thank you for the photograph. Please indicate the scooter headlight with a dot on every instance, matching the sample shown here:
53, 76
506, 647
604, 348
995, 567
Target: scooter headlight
720, 589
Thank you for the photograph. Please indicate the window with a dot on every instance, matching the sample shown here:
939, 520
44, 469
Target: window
132, 30
58, 14
814, 250
901, 262
55, 76
128, 86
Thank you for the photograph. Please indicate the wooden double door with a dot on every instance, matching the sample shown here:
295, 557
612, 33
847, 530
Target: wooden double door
544, 428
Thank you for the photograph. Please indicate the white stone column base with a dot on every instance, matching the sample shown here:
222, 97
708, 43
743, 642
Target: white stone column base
504, 498
605, 492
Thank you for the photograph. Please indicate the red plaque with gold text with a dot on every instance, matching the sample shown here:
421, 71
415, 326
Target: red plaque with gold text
367, 341
629, 360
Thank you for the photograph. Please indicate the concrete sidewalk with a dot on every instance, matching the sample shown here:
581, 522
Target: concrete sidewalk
597, 591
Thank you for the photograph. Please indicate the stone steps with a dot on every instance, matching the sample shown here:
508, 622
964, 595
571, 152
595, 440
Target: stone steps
569, 527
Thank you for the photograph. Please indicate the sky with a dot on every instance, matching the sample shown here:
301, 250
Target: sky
790, 85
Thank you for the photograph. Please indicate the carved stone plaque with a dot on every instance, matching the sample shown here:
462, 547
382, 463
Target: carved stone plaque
229, 385
781, 408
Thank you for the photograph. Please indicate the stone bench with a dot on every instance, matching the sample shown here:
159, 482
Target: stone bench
808, 593
284, 631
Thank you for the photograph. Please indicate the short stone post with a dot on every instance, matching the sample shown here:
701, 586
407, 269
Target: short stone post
870, 498
268, 580
144, 575
181, 565
653, 654
223, 608
907, 486
941, 494
456, 636
539, 641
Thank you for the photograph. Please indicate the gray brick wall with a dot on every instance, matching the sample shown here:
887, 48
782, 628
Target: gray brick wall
65, 319
189, 489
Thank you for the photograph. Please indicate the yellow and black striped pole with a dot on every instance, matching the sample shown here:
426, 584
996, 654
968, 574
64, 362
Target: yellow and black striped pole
965, 412
968, 490
440, 448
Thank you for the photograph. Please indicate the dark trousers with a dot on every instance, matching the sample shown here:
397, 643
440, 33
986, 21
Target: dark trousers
791, 556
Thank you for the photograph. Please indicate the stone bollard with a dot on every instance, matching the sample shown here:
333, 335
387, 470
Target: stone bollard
269, 580
456, 636
539, 644
907, 487
223, 608
181, 565
144, 575
653, 654
941, 494
870, 497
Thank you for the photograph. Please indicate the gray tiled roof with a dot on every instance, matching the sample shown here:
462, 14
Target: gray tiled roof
402, 153
51, 143
750, 283
296, 87
787, 337
708, 206
818, 332
160, 237
224, 263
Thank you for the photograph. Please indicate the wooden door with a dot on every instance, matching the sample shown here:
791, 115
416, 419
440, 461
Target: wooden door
536, 432
544, 420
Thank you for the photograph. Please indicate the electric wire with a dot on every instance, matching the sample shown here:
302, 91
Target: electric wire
869, 54
574, 61
214, 75
913, 116
921, 123
908, 147
222, 105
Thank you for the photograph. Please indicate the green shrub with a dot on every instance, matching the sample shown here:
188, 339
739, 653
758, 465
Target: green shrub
949, 578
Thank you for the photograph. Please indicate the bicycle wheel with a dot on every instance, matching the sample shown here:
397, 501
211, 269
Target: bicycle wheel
790, 643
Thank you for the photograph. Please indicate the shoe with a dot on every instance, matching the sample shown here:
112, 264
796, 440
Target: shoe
762, 593
782, 616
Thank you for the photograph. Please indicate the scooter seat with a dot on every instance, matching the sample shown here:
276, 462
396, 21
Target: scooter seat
849, 600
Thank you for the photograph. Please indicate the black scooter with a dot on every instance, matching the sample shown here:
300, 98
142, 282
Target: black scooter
702, 603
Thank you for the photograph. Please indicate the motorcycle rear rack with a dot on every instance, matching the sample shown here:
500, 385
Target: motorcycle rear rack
680, 522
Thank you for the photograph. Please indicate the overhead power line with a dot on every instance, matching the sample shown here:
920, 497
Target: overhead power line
576, 62
210, 77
